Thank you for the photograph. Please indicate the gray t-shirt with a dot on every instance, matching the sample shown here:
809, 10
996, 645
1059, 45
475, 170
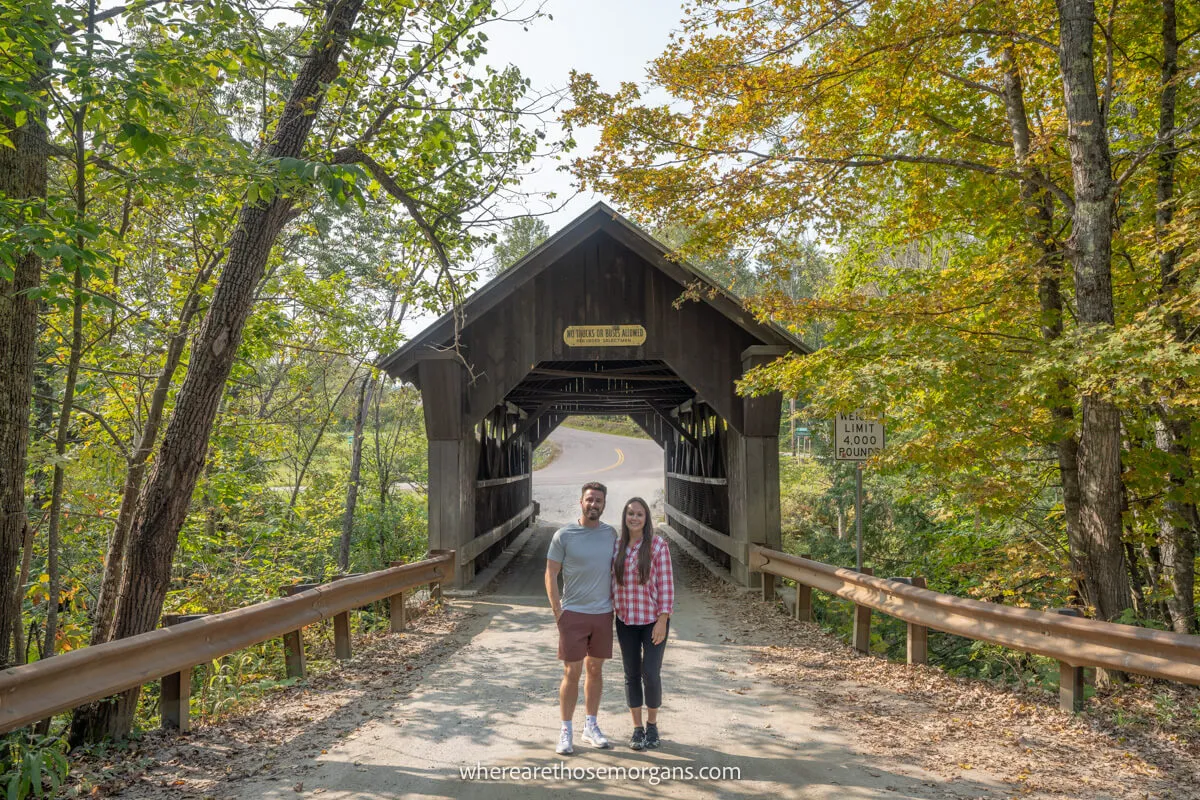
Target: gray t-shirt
586, 556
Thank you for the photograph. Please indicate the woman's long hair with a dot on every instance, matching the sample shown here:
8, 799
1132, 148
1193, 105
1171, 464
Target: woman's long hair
643, 554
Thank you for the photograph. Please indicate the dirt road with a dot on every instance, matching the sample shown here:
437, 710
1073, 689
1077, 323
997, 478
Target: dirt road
494, 705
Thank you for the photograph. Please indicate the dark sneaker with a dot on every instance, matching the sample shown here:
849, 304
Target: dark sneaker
652, 740
638, 740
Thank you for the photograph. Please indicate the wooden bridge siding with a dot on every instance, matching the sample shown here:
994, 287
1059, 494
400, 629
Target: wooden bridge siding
752, 465
495, 505
453, 458
707, 503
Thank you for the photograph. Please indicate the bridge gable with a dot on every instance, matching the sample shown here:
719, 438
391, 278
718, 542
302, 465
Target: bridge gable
600, 270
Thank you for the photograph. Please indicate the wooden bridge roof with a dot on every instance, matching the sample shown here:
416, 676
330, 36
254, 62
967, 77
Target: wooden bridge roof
600, 269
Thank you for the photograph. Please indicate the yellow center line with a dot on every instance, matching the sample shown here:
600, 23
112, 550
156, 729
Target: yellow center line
620, 460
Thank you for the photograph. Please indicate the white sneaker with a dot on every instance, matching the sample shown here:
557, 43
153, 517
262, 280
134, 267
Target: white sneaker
564, 743
595, 737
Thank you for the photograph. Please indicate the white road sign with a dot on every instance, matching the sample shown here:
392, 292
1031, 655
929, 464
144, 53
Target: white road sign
856, 438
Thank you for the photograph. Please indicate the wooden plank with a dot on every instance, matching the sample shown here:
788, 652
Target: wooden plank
1070, 675
470, 550
721, 541
175, 691
175, 701
503, 481
918, 635
862, 624
1070, 687
674, 425
699, 479
396, 607
615, 374
442, 396
295, 664
529, 421
341, 636
804, 611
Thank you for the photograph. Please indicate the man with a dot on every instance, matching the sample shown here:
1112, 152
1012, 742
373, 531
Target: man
582, 552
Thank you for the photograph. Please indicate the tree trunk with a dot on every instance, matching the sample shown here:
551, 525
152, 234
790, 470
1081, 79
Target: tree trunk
164, 500
43, 426
312, 450
1178, 528
22, 579
23, 175
114, 564
63, 433
1090, 252
60, 450
1039, 215
1179, 524
360, 414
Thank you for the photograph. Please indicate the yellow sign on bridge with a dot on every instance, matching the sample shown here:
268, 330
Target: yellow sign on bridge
604, 335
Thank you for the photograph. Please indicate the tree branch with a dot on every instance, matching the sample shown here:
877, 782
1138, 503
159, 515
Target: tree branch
96, 416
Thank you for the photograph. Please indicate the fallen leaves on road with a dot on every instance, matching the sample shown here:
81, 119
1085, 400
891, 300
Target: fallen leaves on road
295, 724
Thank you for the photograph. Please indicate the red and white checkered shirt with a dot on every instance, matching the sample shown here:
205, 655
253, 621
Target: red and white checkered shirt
640, 604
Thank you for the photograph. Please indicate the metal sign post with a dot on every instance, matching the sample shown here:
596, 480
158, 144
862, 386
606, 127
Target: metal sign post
858, 514
855, 439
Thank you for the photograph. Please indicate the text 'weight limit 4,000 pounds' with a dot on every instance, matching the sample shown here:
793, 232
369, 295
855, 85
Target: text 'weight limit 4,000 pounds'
856, 438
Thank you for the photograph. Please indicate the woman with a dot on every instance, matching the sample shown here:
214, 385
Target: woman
643, 599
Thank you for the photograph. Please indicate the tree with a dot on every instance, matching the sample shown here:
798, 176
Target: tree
959, 170
519, 237
406, 124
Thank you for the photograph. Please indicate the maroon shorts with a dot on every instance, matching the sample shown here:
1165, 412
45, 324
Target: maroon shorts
582, 635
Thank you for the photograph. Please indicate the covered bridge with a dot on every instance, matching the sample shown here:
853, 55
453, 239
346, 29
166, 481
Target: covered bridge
589, 323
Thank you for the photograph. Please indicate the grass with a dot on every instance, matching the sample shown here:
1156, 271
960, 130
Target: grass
545, 454
619, 426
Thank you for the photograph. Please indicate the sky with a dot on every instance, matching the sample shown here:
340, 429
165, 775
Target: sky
614, 40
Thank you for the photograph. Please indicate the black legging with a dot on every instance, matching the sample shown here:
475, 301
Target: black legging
643, 663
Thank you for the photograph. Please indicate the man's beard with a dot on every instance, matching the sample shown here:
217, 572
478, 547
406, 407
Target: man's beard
592, 513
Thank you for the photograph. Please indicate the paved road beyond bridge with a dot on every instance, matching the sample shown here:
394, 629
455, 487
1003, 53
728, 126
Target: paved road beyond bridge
484, 722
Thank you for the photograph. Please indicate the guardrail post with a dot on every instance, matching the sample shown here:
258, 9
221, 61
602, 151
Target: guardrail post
293, 645
396, 604
918, 635
768, 587
804, 611
341, 636
862, 623
175, 695
435, 587
1070, 677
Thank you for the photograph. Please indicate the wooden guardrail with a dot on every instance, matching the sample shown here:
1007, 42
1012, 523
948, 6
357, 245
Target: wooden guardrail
1074, 642
698, 479
722, 541
503, 481
35, 691
472, 549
